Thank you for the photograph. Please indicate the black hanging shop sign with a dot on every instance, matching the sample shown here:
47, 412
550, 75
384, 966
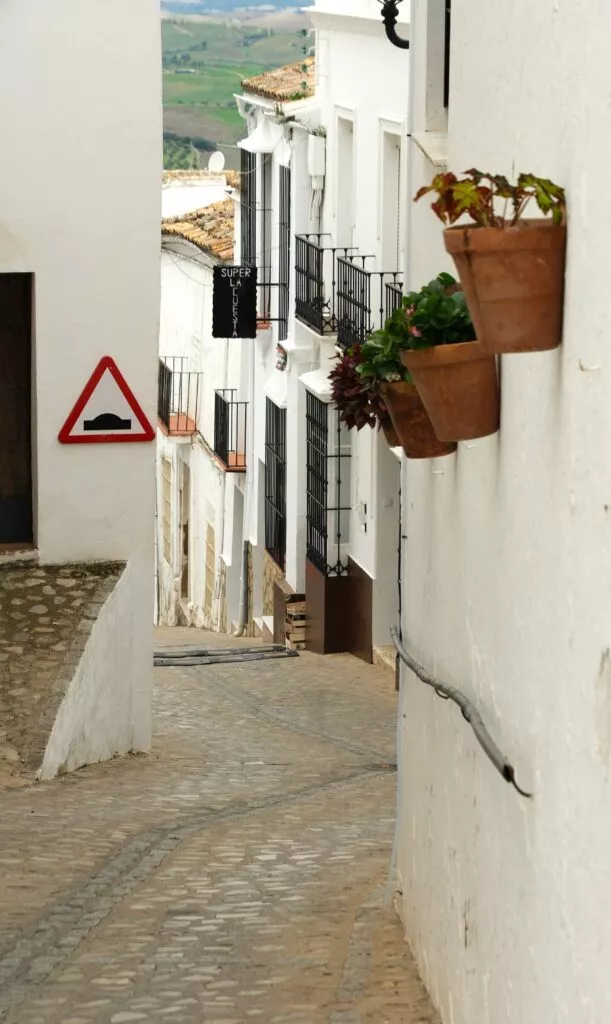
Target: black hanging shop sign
234, 302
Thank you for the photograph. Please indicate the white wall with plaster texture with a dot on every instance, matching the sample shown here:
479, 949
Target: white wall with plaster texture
101, 715
90, 237
508, 573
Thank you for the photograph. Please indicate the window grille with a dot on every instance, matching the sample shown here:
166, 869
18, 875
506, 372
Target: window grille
328, 490
248, 209
446, 63
265, 269
275, 482
284, 267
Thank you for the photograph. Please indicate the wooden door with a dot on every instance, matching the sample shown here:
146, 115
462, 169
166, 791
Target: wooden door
16, 409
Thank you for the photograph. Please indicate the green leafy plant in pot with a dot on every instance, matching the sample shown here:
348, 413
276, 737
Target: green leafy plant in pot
381, 365
511, 268
357, 398
456, 381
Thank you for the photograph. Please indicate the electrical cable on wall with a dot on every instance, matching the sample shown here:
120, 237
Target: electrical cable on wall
469, 711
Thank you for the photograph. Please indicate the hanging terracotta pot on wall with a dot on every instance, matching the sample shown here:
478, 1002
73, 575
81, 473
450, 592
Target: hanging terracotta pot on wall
411, 422
513, 280
459, 388
392, 438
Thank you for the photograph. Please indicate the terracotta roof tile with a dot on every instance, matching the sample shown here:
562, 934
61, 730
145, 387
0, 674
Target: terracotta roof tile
210, 229
293, 82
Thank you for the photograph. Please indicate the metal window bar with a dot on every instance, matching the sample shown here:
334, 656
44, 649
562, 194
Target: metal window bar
265, 268
284, 268
230, 427
178, 395
361, 300
447, 48
394, 298
248, 209
275, 482
328, 491
316, 283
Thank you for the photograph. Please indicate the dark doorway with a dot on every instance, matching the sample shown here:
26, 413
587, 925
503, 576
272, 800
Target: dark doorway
16, 404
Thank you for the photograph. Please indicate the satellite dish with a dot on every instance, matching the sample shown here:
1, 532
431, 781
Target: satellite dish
216, 163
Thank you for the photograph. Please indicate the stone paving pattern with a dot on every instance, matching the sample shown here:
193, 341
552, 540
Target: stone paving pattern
239, 873
46, 616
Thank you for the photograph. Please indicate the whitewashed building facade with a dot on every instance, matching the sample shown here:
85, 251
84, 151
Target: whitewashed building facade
507, 588
323, 173
202, 415
79, 281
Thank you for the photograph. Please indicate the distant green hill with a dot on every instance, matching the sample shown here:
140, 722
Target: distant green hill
208, 6
204, 63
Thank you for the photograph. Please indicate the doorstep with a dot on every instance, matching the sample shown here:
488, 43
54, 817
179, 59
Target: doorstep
18, 553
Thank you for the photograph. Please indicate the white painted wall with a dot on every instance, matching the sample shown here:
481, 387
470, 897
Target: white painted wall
90, 235
186, 331
350, 42
508, 575
95, 719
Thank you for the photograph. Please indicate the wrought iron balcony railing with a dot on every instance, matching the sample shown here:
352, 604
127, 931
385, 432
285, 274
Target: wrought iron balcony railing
394, 297
316, 283
178, 396
230, 430
361, 300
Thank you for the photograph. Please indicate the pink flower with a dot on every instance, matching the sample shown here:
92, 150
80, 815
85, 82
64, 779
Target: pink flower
416, 333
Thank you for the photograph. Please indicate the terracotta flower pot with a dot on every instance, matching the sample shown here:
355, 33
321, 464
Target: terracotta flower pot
392, 438
513, 280
459, 389
411, 422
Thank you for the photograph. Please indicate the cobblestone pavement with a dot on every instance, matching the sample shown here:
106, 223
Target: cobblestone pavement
238, 873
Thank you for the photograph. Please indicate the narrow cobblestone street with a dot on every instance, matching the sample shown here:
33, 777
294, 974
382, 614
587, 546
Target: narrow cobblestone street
238, 873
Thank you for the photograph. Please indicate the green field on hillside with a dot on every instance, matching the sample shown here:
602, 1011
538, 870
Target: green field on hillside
213, 85
204, 63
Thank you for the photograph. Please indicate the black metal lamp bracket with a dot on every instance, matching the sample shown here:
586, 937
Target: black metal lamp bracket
390, 15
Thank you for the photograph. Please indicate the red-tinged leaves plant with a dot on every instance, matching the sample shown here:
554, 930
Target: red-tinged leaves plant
490, 200
355, 396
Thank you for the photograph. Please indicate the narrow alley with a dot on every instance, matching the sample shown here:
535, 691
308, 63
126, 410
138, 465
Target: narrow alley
240, 872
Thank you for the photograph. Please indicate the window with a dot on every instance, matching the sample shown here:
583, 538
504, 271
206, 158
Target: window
345, 182
328, 490
265, 270
248, 209
275, 482
390, 206
438, 45
446, 66
284, 266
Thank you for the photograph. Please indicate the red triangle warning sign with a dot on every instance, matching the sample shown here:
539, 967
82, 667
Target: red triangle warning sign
106, 411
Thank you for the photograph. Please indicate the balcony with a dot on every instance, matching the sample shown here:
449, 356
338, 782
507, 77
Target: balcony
394, 297
230, 430
315, 283
178, 396
363, 298
338, 292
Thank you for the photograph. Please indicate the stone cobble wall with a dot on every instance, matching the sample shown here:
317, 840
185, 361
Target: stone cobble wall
272, 574
46, 616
